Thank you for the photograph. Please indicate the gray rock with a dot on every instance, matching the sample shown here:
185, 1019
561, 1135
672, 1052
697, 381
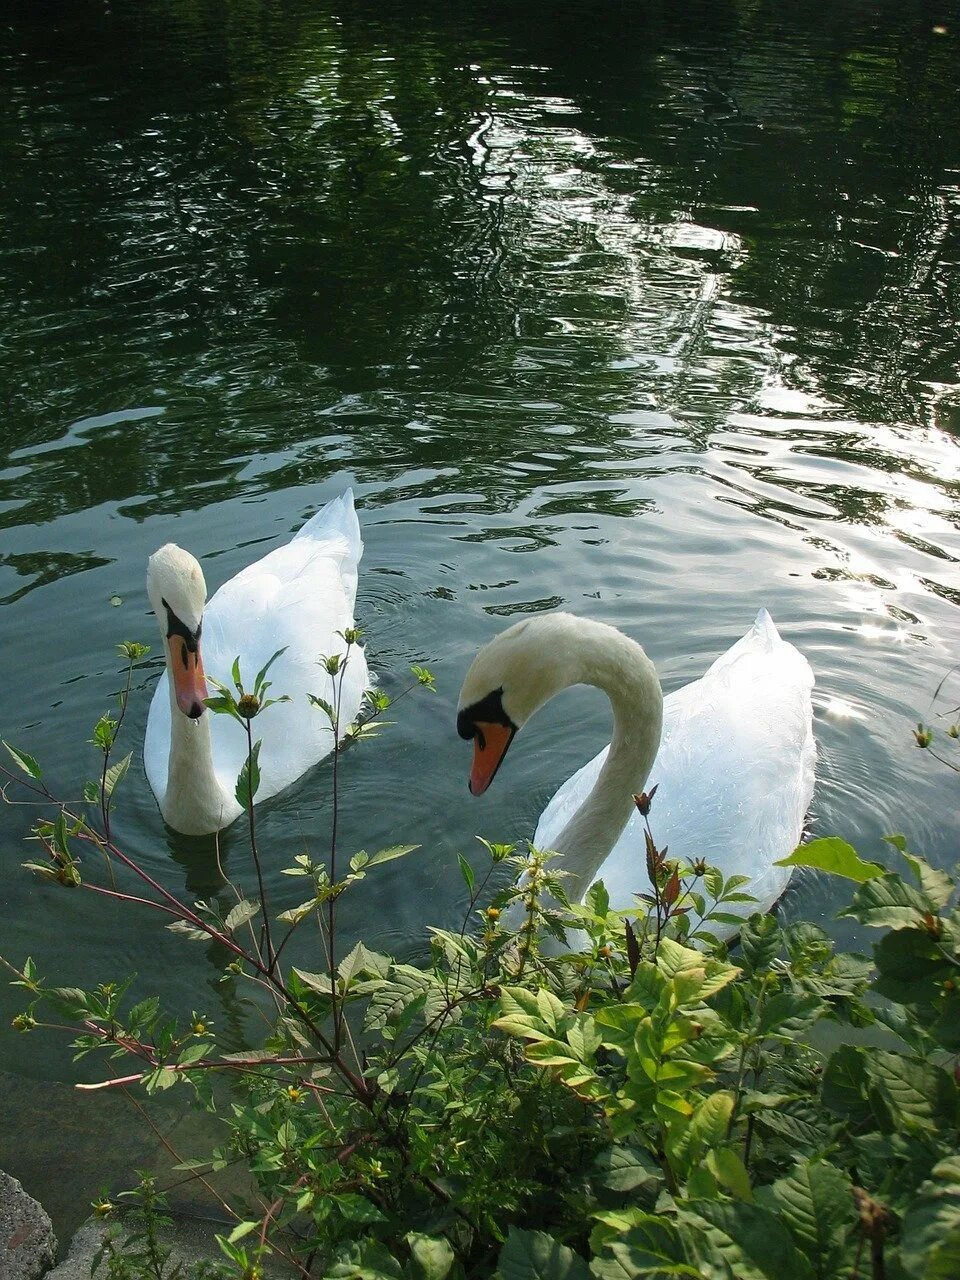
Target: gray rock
28, 1246
190, 1240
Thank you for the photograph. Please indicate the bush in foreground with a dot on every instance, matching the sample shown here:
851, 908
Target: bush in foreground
654, 1103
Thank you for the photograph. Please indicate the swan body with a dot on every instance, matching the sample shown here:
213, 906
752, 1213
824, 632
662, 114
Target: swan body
298, 598
732, 754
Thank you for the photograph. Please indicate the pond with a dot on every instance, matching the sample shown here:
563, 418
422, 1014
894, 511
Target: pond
649, 312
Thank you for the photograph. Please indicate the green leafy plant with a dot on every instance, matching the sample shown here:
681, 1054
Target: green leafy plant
651, 1102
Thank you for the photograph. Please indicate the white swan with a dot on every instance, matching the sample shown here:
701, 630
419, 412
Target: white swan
732, 753
299, 597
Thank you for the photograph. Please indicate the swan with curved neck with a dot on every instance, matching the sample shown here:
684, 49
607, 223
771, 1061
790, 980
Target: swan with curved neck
523, 668
732, 753
298, 599
193, 800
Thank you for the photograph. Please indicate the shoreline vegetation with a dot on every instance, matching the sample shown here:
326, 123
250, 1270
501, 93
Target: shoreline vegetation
659, 1103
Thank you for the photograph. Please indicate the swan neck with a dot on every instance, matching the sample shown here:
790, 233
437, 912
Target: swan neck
193, 802
618, 665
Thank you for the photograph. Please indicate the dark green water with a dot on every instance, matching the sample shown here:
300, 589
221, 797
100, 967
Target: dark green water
645, 310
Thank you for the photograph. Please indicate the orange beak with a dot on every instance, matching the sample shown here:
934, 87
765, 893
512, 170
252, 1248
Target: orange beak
189, 682
489, 747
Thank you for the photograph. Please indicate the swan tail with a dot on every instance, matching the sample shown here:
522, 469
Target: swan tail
338, 521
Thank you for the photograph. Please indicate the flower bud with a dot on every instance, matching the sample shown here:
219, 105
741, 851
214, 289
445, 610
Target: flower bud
332, 664
644, 800
248, 706
923, 735
493, 913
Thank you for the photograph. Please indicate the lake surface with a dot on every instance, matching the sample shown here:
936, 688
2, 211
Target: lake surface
648, 312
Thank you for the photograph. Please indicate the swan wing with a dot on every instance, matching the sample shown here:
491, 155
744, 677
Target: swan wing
297, 598
735, 773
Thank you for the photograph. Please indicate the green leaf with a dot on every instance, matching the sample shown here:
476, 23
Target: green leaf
930, 1234
533, 1255
324, 706
626, 1169
888, 901
844, 1087
26, 762
194, 1052
362, 961
655, 1247
293, 915
244, 910
363, 1260
816, 1203
315, 981
730, 1171
760, 941
467, 872
241, 1230
785, 1012
833, 855
249, 780
431, 1257
388, 855
936, 884
258, 681
910, 966
114, 774
744, 1232
922, 1097
189, 931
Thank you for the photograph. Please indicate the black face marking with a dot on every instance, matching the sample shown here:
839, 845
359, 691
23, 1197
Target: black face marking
175, 627
489, 710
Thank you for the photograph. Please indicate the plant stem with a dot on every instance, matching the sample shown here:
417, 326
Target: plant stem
264, 906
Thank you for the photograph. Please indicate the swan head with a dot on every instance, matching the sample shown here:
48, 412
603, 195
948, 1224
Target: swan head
178, 593
511, 678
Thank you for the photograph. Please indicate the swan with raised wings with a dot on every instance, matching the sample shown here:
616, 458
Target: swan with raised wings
298, 598
732, 753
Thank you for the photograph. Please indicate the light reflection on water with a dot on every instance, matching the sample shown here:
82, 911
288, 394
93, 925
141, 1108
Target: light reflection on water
660, 331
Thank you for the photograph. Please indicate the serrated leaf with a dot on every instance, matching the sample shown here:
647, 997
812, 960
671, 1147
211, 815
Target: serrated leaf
833, 855
360, 960
315, 981
748, 1233
293, 915
930, 1234
922, 1097
533, 1255
936, 884
760, 941
194, 1052
26, 762
626, 1169
816, 1204
388, 855
239, 915
785, 1012
887, 901
115, 773
189, 931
